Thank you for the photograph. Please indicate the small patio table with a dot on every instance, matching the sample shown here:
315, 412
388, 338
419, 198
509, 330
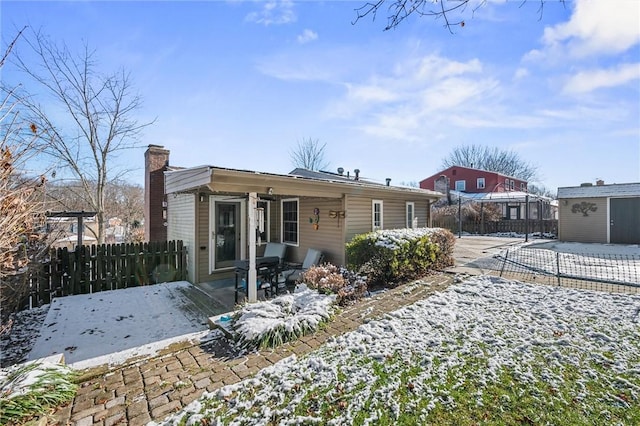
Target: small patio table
267, 270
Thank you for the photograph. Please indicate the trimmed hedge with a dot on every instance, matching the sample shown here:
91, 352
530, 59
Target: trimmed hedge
390, 257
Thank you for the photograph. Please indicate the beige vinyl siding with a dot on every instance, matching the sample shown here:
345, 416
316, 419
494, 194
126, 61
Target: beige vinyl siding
393, 210
422, 212
358, 216
328, 238
202, 220
579, 228
394, 214
181, 226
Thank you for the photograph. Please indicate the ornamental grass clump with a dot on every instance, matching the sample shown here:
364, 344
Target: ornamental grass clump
390, 257
348, 286
282, 319
31, 390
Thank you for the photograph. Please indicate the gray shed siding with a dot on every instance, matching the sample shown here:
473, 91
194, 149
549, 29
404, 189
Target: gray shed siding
181, 226
579, 228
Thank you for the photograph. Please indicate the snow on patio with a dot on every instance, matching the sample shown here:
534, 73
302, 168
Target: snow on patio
571, 351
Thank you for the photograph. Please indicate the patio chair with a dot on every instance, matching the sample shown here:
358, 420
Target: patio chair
295, 270
275, 249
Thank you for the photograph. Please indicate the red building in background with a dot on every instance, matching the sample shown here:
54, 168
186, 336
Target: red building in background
466, 179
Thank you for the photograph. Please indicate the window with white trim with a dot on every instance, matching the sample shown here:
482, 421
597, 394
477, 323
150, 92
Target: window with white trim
480, 183
523, 187
410, 210
290, 221
512, 185
461, 185
376, 214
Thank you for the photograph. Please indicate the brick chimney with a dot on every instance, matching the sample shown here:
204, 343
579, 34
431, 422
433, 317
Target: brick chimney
599, 182
156, 161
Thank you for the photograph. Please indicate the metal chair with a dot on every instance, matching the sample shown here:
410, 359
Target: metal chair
295, 270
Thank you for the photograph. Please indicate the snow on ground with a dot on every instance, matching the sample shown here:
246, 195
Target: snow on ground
112, 326
499, 324
614, 263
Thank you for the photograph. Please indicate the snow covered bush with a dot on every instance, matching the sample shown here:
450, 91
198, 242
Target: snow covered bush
329, 279
282, 319
389, 257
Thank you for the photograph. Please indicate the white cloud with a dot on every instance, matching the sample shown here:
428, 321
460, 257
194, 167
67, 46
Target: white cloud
307, 36
597, 27
417, 97
521, 73
274, 12
587, 81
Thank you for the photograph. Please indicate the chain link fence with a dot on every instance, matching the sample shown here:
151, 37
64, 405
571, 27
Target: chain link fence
590, 271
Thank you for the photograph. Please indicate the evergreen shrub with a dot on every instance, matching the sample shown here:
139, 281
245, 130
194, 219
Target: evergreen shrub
390, 257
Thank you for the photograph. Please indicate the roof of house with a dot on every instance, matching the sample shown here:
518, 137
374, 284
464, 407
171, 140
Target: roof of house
500, 197
476, 170
235, 179
597, 191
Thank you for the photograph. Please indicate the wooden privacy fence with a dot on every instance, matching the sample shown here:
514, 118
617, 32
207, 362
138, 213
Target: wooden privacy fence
90, 269
545, 226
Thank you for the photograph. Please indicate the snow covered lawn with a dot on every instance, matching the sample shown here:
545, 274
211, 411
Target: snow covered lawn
485, 350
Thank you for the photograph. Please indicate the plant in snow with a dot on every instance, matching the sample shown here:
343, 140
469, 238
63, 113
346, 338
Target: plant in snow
282, 319
30, 390
329, 279
392, 256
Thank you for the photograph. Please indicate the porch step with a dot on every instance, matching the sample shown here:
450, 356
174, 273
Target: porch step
202, 305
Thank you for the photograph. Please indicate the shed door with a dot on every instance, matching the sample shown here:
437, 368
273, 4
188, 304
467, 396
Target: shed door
625, 220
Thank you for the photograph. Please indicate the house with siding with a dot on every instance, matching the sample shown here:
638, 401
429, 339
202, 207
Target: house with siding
470, 180
599, 213
224, 214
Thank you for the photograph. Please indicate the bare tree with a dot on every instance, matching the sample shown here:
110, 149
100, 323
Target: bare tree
399, 10
98, 122
541, 190
124, 204
492, 159
309, 154
20, 204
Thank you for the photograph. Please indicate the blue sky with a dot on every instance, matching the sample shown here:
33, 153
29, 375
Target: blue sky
238, 83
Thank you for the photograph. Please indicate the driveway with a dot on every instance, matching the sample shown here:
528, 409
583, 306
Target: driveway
473, 254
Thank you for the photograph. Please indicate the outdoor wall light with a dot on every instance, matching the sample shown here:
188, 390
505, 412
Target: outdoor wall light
270, 191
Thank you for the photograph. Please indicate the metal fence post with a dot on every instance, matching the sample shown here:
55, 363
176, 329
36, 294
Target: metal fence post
504, 262
558, 266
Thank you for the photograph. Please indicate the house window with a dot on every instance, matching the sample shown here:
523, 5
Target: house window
506, 184
290, 221
266, 221
523, 186
461, 185
512, 185
410, 208
376, 214
480, 183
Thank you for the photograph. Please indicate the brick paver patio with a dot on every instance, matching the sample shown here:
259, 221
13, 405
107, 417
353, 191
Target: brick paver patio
152, 388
